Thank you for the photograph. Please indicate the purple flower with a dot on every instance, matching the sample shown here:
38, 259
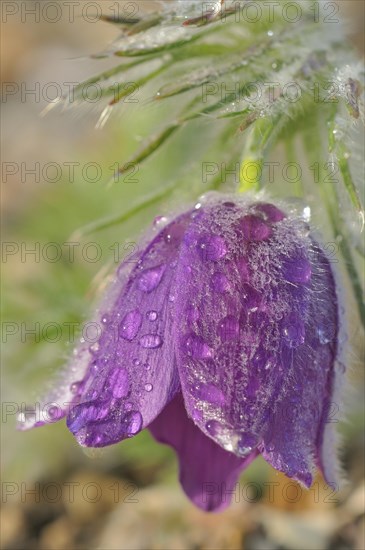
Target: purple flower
222, 339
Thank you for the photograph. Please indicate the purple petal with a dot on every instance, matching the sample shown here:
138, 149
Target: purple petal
131, 372
327, 333
253, 371
207, 472
294, 439
132, 375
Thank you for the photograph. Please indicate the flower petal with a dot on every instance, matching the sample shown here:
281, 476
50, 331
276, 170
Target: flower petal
132, 373
129, 371
208, 473
328, 331
294, 439
253, 371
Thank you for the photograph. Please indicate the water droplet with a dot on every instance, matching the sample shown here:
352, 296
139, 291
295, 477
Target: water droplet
326, 333
246, 443
174, 233
148, 387
270, 33
228, 328
82, 414
94, 348
269, 212
197, 415
54, 412
133, 422
152, 315
210, 393
306, 214
293, 331
213, 427
243, 269
297, 270
254, 228
151, 341
220, 282
212, 248
136, 362
196, 347
192, 314
118, 382
159, 221
151, 278
76, 387
252, 387
251, 298
94, 368
129, 327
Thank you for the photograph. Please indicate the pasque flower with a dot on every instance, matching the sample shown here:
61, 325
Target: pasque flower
222, 339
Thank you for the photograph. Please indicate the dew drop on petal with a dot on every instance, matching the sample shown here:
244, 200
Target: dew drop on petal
196, 347
254, 228
213, 427
251, 298
151, 341
159, 221
94, 348
325, 334
152, 315
133, 422
297, 270
293, 332
54, 412
118, 382
252, 387
129, 327
148, 387
220, 282
228, 328
246, 443
269, 212
192, 314
197, 415
174, 234
211, 393
243, 270
151, 278
212, 248
76, 387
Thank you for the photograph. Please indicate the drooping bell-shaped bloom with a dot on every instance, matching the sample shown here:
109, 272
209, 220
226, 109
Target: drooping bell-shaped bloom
222, 339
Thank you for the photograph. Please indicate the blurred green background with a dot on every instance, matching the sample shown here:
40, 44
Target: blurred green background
132, 497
